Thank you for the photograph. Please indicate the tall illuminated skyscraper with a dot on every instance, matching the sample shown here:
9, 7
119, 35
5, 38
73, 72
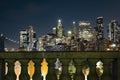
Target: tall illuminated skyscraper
23, 40
28, 39
31, 39
74, 30
59, 29
114, 31
99, 28
100, 33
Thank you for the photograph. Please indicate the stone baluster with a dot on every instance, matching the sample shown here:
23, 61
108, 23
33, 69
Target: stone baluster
2, 69
31, 69
11, 75
24, 72
44, 68
58, 68
17, 69
71, 69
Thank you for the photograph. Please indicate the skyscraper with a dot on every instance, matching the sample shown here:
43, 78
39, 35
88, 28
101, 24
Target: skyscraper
99, 28
74, 30
100, 33
31, 39
28, 39
59, 29
113, 31
23, 39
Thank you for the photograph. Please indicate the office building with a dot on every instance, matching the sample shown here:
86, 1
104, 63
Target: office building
28, 39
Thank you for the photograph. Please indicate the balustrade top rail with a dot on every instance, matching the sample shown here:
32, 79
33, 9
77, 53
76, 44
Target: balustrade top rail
111, 61
37, 55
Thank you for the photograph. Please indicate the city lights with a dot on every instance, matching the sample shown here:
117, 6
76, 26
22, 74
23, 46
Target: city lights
81, 37
59, 21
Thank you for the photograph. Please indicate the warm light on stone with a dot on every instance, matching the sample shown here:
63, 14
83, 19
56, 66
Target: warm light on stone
17, 69
31, 69
44, 68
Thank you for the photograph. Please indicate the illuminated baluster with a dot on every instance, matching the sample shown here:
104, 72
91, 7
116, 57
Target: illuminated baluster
44, 68
58, 68
6, 68
31, 69
71, 69
85, 69
99, 69
17, 69
10, 75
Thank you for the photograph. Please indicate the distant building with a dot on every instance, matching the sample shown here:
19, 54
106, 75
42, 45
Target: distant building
28, 39
54, 30
99, 28
100, 34
85, 31
23, 40
59, 29
40, 45
2, 42
114, 31
74, 30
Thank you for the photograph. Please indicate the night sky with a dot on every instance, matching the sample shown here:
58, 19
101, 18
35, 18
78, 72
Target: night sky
16, 15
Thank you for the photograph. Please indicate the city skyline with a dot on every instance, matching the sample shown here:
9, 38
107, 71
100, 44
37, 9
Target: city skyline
84, 38
43, 14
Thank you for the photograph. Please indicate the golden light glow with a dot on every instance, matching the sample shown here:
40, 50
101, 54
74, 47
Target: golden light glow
44, 68
6, 68
31, 69
17, 69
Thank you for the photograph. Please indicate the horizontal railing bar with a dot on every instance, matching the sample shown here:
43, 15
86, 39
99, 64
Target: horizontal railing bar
38, 55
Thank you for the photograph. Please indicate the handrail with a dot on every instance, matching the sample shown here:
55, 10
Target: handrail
37, 55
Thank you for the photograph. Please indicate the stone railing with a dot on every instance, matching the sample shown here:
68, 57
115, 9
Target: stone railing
72, 65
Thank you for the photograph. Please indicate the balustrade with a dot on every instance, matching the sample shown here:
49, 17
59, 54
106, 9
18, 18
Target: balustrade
60, 66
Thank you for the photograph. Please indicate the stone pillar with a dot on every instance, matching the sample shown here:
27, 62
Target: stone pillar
24, 72
2, 69
11, 74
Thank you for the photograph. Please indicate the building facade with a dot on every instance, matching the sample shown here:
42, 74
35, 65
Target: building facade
28, 39
114, 31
